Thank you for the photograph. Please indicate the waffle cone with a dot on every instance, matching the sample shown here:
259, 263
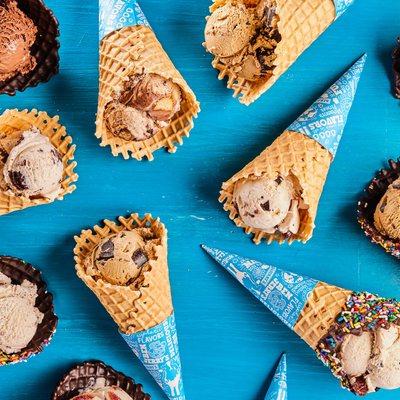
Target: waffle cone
131, 50
12, 124
139, 306
294, 154
318, 315
301, 22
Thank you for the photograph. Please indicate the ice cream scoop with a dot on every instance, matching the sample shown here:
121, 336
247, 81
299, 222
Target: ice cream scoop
229, 29
19, 318
372, 359
106, 393
145, 104
128, 123
244, 37
17, 35
34, 167
119, 258
387, 213
268, 204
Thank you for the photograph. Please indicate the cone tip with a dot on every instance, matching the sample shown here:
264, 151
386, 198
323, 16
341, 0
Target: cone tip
362, 60
207, 249
282, 360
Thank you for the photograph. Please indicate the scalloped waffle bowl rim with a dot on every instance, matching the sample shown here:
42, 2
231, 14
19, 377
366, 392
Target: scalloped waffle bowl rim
62, 142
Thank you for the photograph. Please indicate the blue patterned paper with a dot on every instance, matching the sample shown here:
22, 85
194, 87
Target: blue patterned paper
342, 6
325, 120
116, 14
282, 292
157, 348
278, 388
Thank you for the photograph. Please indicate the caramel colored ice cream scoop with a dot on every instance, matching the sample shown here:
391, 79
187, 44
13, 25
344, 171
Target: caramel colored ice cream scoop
374, 356
34, 167
119, 259
17, 35
19, 318
145, 104
268, 204
387, 213
229, 29
129, 123
106, 393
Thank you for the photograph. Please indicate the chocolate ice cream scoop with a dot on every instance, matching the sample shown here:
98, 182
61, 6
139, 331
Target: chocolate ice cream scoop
387, 213
119, 258
145, 104
106, 393
34, 167
17, 35
268, 204
19, 318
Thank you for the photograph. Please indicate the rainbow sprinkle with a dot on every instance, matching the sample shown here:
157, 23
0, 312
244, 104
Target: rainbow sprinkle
363, 312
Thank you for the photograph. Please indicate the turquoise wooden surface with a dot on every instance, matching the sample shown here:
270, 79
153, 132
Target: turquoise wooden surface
229, 343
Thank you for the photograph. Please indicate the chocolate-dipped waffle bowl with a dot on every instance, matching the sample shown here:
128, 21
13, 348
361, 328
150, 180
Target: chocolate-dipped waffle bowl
44, 50
88, 374
367, 205
18, 271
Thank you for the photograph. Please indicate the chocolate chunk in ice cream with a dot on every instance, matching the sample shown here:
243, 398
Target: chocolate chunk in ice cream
119, 258
271, 205
34, 167
145, 104
244, 37
17, 35
387, 213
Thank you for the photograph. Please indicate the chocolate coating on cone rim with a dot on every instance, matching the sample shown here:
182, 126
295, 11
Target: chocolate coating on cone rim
83, 376
367, 205
18, 271
44, 50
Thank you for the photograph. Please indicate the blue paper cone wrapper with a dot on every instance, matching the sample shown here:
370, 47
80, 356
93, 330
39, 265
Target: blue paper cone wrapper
157, 348
325, 120
342, 6
284, 293
116, 14
278, 388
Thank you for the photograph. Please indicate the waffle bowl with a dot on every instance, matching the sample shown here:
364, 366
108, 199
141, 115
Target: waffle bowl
84, 376
130, 50
367, 205
44, 50
18, 271
300, 23
12, 124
